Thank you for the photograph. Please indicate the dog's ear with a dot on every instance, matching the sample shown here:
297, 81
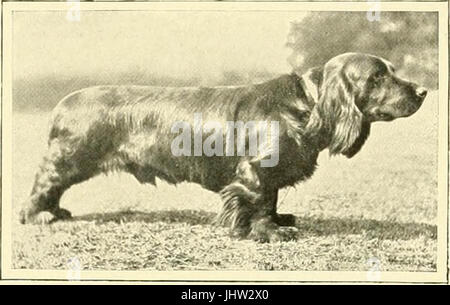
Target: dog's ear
359, 141
336, 118
316, 75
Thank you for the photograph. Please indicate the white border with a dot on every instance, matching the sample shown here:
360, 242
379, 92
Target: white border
221, 276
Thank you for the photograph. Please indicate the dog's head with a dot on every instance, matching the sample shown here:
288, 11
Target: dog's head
355, 90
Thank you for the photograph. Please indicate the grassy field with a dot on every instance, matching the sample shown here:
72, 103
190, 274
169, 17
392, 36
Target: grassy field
380, 204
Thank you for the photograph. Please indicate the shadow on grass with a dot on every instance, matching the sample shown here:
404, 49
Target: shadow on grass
306, 225
192, 217
371, 228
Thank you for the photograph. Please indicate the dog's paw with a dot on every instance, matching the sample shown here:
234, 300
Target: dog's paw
44, 217
27, 217
266, 229
279, 234
62, 214
283, 234
239, 233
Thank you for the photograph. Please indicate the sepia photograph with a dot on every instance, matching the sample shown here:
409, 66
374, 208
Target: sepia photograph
225, 141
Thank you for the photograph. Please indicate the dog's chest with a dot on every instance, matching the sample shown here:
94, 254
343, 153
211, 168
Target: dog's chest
297, 162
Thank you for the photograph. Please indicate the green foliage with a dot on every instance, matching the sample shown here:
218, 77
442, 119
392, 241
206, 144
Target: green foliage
408, 39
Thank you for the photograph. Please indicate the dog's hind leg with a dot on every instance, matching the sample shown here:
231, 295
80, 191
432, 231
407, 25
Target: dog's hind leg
238, 208
250, 208
61, 167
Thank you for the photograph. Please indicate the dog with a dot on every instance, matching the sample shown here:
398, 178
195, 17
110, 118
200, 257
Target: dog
129, 128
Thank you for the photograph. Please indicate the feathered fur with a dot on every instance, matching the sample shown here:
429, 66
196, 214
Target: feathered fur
128, 128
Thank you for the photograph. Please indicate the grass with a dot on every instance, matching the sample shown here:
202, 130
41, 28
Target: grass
380, 204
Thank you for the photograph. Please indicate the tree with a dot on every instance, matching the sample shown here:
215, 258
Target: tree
408, 39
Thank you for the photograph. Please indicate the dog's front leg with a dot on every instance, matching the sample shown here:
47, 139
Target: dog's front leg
267, 225
287, 220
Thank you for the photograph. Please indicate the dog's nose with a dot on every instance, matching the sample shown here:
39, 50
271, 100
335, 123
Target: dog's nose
421, 92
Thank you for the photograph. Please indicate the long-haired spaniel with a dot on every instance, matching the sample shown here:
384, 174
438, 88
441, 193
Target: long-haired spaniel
131, 128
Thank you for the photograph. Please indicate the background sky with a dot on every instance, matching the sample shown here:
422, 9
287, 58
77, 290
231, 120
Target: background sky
164, 43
